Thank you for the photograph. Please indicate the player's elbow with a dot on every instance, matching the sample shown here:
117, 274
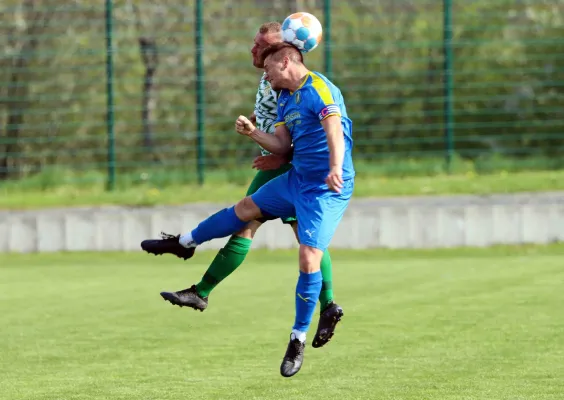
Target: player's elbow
288, 148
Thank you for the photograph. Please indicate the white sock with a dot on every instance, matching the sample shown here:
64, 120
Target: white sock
301, 336
187, 241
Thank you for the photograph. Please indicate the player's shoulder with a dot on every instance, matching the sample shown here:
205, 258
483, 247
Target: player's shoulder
318, 83
318, 86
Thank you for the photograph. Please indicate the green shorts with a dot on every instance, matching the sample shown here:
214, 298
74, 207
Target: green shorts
264, 176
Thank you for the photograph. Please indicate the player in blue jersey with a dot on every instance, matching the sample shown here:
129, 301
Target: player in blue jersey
269, 166
312, 118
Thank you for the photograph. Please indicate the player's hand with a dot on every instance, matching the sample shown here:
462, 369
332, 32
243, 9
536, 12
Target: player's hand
253, 118
335, 179
243, 126
269, 162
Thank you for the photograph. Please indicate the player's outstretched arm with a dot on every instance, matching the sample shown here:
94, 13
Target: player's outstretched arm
336, 142
280, 143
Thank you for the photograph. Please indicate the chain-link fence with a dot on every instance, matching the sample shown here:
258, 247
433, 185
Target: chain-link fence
425, 82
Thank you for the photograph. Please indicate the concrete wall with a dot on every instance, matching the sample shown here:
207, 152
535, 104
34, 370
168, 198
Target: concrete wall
414, 222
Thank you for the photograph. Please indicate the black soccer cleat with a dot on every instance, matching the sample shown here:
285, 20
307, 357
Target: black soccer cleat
328, 320
168, 244
187, 298
293, 358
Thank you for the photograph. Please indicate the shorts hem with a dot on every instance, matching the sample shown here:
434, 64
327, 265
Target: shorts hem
314, 245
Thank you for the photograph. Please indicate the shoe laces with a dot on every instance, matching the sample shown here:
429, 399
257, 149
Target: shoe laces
168, 236
191, 291
327, 307
296, 348
186, 291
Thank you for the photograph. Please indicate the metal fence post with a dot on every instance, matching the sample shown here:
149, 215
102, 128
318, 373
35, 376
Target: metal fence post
200, 87
328, 54
111, 182
448, 83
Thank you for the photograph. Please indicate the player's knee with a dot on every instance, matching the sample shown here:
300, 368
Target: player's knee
248, 232
247, 210
310, 259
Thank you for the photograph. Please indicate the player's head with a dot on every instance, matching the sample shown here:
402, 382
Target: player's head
268, 33
280, 61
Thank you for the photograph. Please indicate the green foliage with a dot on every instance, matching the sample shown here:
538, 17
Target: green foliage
387, 59
59, 188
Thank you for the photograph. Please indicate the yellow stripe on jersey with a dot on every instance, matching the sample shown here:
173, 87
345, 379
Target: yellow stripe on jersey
303, 82
280, 123
322, 89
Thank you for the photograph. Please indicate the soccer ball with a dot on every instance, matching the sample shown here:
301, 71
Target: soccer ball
302, 30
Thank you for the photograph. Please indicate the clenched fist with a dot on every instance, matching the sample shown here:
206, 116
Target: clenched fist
243, 126
335, 179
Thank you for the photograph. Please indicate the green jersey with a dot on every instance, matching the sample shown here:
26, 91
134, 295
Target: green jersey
265, 108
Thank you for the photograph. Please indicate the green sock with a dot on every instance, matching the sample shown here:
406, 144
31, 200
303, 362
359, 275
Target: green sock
225, 262
326, 295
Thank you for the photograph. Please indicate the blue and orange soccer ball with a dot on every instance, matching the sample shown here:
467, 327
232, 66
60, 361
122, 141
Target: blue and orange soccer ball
302, 30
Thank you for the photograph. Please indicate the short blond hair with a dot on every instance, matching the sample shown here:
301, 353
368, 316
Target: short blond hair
270, 27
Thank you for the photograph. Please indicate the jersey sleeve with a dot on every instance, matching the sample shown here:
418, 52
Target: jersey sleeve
321, 102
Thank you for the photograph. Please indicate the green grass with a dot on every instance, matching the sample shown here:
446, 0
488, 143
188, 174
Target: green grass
14, 196
450, 324
169, 185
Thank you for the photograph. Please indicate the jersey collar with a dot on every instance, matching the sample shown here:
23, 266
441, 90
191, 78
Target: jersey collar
303, 82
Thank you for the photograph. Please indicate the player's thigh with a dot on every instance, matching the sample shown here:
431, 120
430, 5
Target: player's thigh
263, 177
275, 197
319, 213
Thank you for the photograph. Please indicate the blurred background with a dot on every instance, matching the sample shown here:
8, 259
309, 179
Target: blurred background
123, 93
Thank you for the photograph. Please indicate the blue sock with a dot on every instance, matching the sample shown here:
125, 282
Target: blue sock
307, 294
222, 223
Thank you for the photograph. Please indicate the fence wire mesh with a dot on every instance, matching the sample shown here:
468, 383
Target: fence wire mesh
388, 57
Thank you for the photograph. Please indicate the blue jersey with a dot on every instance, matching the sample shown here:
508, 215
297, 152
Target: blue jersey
302, 112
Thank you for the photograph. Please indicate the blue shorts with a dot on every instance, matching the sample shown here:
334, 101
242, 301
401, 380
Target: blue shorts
317, 209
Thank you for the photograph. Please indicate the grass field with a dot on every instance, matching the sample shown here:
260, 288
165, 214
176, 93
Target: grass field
26, 195
449, 324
